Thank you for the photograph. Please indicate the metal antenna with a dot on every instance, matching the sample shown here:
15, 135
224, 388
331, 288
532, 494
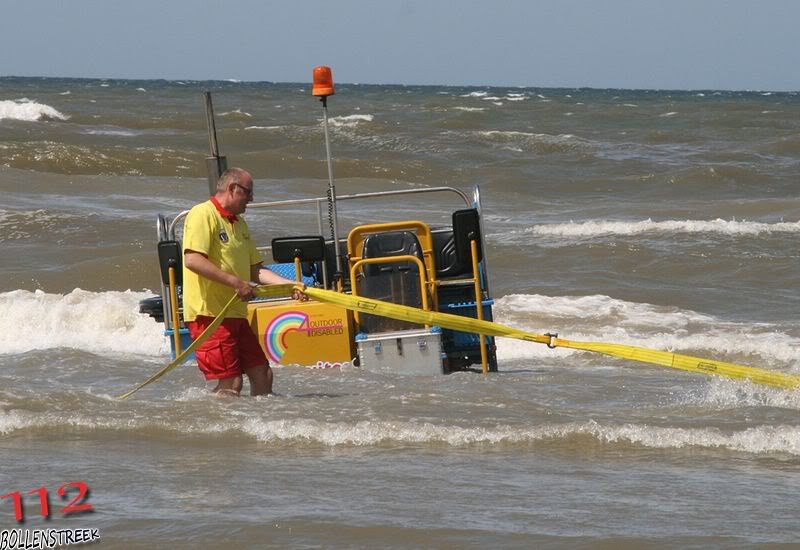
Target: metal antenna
322, 88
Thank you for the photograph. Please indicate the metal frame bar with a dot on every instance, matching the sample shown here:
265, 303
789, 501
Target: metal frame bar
319, 200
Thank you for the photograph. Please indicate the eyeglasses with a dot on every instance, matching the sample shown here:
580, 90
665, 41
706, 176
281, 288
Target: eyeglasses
247, 191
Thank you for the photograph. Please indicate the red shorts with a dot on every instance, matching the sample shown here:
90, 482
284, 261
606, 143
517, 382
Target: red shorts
229, 351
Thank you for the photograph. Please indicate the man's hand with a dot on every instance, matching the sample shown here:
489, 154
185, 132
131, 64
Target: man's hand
298, 294
245, 291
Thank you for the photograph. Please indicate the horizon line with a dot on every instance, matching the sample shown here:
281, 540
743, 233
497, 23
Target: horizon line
309, 83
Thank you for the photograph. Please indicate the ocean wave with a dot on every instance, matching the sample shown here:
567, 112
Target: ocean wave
777, 352
528, 141
120, 132
28, 110
25, 224
105, 159
349, 121
722, 394
766, 439
236, 113
264, 127
106, 323
603, 228
601, 318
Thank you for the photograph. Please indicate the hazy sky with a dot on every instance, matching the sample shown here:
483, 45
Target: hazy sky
679, 44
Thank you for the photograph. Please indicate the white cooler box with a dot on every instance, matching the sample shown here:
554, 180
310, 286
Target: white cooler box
402, 352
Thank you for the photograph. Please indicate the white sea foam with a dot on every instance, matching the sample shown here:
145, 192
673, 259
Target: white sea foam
529, 140
263, 127
236, 112
110, 132
99, 322
349, 121
476, 94
470, 109
597, 307
26, 109
781, 439
723, 393
140, 90
671, 113
600, 228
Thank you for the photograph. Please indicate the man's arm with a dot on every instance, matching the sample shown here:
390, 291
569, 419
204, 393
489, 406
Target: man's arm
266, 276
200, 264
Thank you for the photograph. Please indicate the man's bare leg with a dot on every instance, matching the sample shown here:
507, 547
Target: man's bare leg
260, 379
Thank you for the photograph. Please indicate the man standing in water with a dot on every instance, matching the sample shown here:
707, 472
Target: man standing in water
219, 255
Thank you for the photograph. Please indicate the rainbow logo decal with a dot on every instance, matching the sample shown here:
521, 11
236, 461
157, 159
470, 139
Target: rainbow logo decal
278, 328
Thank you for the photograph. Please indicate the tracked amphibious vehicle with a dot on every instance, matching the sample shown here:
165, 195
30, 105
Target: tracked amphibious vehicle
400, 296
409, 262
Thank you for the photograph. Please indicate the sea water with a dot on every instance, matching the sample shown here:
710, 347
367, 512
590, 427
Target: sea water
664, 219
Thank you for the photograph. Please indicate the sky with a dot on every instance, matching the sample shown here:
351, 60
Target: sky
656, 44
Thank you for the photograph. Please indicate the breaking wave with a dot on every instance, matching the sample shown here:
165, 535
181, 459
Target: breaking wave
105, 323
29, 110
540, 143
600, 228
604, 319
349, 121
757, 440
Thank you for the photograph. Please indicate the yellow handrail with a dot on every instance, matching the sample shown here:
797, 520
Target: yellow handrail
356, 237
390, 260
473, 245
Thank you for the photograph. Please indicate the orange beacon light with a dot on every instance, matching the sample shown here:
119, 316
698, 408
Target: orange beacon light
323, 82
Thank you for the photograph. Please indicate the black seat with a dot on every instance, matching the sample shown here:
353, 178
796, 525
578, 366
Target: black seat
447, 264
396, 243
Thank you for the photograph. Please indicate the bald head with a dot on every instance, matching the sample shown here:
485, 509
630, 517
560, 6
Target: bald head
233, 176
235, 190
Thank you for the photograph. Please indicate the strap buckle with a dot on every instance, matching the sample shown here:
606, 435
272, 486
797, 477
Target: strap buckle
552, 343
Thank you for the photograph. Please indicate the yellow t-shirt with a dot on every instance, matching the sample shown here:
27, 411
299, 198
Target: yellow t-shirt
229, 247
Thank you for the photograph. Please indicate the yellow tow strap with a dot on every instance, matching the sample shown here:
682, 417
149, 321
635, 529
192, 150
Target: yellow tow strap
488, 328
268, 291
